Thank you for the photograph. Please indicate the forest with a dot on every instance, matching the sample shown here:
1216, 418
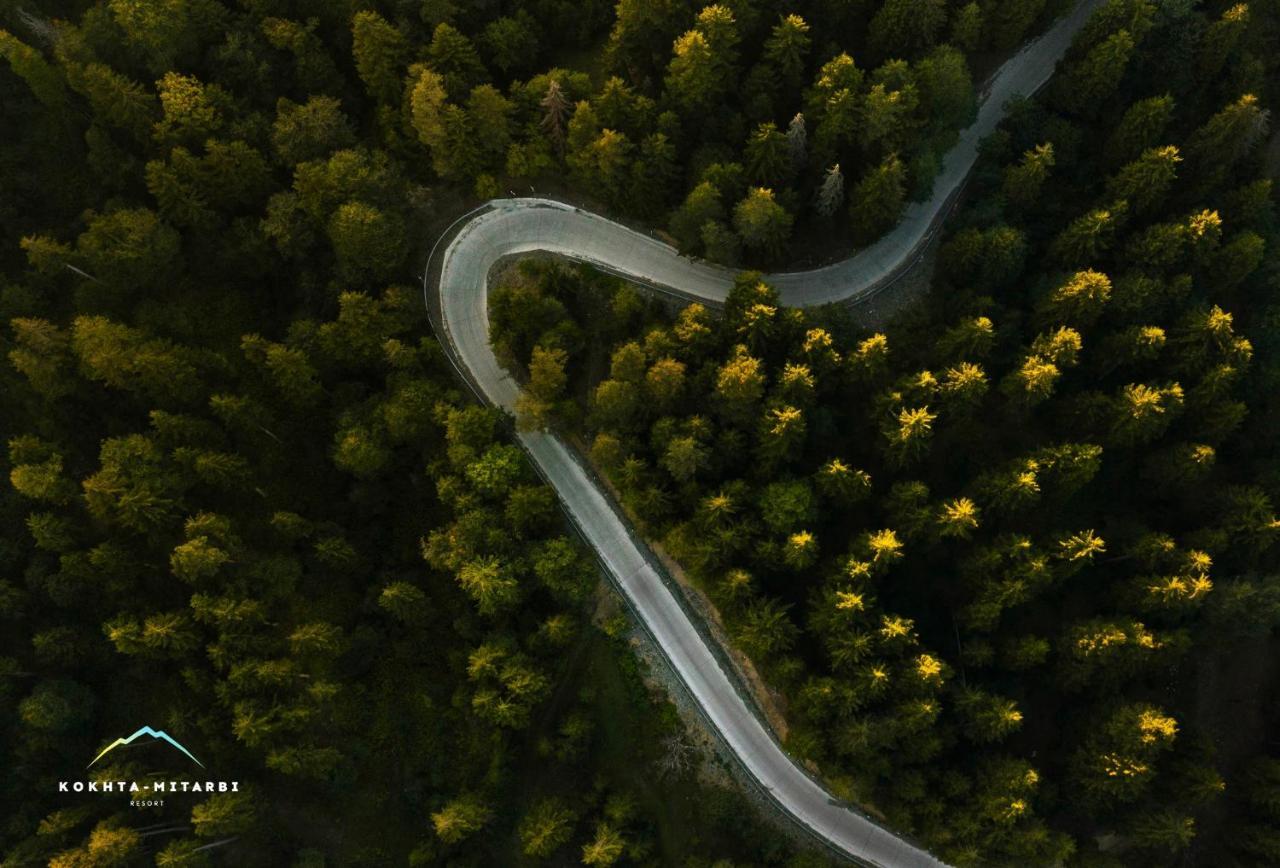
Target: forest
1009, 559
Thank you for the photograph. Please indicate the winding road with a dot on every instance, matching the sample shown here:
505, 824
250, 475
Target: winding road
509, 227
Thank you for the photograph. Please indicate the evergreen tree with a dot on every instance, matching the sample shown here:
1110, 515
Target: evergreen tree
380, 51
831, 194
878, 198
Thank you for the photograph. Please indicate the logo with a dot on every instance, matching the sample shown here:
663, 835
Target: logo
148, 792
156, 735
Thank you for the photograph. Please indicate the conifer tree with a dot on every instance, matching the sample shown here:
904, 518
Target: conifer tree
831, 194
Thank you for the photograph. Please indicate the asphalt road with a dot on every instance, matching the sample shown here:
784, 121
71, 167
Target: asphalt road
509, 227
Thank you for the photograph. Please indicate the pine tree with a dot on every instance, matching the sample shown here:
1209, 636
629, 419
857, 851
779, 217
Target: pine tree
1090, 81
958, 518
314, 68
455, 58
546, 828
878, 199
380, 51
605, 849
908, 433
1117, 762
841, 483
44, 79
654, 175
1221, 39
1033, 382
797, 142
904, 28
831, 194
1144, 182
967, 27
460, 818
1227, 136
1143, 124
787, 49
888, 110
987, 717
226, 814
1010, 20
1142, 412
703, 62
555, 109
42, 353
489, 118
1023, 182
1089, 236
1080, 300
761, 222
766, 156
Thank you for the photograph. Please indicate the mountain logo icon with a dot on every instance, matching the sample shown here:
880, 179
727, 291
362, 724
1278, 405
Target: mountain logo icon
156, 735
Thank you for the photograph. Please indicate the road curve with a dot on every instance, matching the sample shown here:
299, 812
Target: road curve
510, 227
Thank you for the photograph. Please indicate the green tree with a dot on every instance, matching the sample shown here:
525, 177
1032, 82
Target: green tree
460, 818
57, 706
702, 206
380, 51
1221, 39
116, 100
908, 434
902, 28
108, 844
130, 250
536, 405
765, 630
443, 127
405, 602
1142, 412
310, 131
1095, 77
1089, 236
987, 717
1145, 181
162, 32
878, 198
455, 58
490, 584
313, 66
512, 42
45, 81
226, 814
694, 77
1010, 21
654, 175
368, 242
42, 354
546, 828
1141, 127
606, 848
1023, 182
967, 27
762, 223
604, 164
1079, 300
1117, 762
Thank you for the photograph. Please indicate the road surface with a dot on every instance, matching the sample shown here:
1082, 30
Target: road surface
509, 227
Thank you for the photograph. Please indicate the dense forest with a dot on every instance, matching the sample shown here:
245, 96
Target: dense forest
1012, 559
249, 503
